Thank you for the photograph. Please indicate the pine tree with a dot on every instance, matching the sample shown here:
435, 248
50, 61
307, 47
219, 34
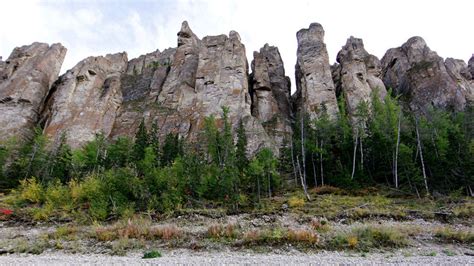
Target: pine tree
141, 142
241, 148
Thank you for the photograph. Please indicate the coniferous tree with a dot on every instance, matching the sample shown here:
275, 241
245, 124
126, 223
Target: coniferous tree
241, 148
141, 142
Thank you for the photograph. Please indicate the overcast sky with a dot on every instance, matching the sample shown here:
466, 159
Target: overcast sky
88, 27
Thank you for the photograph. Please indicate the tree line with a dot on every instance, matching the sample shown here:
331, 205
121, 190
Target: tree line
123, 175
415, 151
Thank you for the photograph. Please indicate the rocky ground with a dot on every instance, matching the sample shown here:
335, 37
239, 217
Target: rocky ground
409, 256
53, 248
331, 229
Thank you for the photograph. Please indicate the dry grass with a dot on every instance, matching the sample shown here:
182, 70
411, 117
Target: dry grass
166, 232
449, 234
320, 225
368, 237
328, 190
222, 231
302, 236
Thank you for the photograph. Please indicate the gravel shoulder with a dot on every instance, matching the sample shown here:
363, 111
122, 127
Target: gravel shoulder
233, 258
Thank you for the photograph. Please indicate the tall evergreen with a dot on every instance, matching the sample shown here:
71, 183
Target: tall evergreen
141, 142
241, 148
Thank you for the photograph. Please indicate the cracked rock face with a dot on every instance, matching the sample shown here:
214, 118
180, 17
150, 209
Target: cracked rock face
85, 100
315, 91
270, 92
141, 84
460, 73
25, 80
422, 77
471, 66
357, 75
187, 84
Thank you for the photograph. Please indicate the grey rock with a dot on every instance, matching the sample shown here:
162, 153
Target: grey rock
25, 80
315, 91
185, 85
270, 92
420, 75
85, 100
357, 76
141, 84
471, 66
460, 73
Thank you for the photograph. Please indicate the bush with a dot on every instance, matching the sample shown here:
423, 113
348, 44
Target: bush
89, 195
369, 237
296, 202
448, 234
151, 254
58, 196
31, 191
302, 236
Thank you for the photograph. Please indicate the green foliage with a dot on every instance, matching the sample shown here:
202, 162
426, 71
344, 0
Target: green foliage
111, 179
151, 254
241, 148
31, 159
172, 148
119, 153
89, 196
141, 142
91, 157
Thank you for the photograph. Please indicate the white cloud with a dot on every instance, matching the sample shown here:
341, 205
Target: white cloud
89, 28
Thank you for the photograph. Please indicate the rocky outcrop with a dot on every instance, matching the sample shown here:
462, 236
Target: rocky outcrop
141, 84
459, 72
178, 88
315, 92
471, 66
85, 100
357, 76
25, 80
421, 76
270, 92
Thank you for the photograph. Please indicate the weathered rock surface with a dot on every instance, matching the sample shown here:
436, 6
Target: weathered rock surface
421, 76
315, 89
460, 73
357, 75
140, 85
187, 84
85, 100
25, 80
471, 66
271, 91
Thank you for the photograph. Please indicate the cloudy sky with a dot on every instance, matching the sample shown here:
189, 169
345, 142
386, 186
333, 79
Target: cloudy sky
98, 27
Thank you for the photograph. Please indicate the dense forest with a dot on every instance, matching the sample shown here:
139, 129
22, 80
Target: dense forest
416, 152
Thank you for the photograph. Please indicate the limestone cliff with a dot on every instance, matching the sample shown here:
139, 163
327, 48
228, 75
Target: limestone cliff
421, 76
357, 75
85, 100
315, 92
25, 80
177, 88
270, 92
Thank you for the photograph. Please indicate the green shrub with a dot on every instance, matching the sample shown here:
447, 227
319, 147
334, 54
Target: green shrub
296, 202
89, 195
369, 237
31, 191
58, 196
151, 254
449, 234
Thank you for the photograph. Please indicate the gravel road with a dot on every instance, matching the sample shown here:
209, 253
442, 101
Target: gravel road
234, 258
